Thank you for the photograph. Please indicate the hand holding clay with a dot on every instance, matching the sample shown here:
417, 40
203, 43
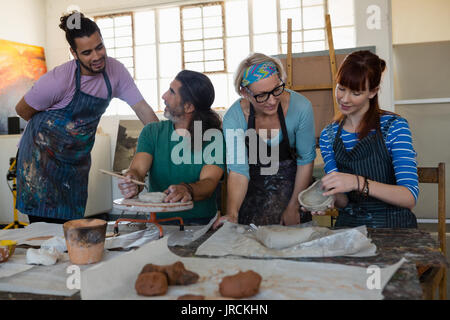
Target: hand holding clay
177, 193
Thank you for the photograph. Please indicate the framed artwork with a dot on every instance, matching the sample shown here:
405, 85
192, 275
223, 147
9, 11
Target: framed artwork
20, 66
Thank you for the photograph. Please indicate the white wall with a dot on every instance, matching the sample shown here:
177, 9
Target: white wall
381, 37
23, 21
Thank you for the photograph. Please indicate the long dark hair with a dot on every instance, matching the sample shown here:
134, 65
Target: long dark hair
197, 88
358, 67
79, 26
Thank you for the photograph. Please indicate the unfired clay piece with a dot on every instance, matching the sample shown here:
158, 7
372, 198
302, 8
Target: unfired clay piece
176, 273
240, 285
153, 197
151, 284
312, 199
280, 237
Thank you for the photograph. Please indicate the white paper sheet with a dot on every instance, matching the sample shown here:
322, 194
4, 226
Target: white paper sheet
233, 239
282, 279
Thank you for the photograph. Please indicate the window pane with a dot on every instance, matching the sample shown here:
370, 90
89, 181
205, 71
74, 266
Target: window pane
189, 13
109, 43
209, 11
195, 66
169, 59
193, 45
214, 44
295, 15
169, 24
296, 37
149, 91
146, 62
265, 16
284, 4
195, 34
220, 84
107, 33
193, 56
144, 27
124, 42
105, 23
341, 12
232, 95
236, 18
213, 33
123, 31
214, 66
266, 44
214, 54
237, 50
312, 2
111, 52
122, 21
313, 17
212, 22
314, 46
296, 48
124, 52
192, 24
164, 85
344, 37
314, 35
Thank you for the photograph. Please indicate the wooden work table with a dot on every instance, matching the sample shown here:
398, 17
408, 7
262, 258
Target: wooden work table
415, 245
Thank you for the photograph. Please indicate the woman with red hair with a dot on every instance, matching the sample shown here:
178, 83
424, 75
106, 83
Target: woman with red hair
370, 162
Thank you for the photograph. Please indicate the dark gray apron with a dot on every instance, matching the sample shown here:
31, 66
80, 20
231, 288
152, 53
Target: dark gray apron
369, 158
268, 195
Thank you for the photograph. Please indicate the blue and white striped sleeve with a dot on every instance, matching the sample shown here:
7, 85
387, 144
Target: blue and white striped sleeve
399, 143
326, 149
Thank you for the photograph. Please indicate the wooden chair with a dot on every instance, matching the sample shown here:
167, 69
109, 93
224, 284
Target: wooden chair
434, 278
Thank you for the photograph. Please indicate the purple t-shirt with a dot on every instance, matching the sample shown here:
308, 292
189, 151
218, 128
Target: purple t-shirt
55, 89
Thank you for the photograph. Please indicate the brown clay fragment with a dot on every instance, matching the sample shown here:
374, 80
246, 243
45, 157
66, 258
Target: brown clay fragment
176, 273
191, 297
151, 284
240, 285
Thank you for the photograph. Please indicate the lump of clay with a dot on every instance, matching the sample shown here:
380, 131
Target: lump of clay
176, 273
280, 237
240, 285
153, 197
191, 297
151, 284
312, 199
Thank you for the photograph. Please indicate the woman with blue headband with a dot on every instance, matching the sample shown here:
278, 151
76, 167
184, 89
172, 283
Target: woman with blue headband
270, 141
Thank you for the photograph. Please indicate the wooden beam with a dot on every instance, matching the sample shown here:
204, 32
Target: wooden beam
332, 61
289, 54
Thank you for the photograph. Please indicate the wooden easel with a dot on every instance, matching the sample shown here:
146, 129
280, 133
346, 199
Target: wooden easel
320, 86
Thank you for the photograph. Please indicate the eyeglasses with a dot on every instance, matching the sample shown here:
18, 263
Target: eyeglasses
263, 97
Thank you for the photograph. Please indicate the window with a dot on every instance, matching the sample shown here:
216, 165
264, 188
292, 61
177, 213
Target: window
202, 37
156, 43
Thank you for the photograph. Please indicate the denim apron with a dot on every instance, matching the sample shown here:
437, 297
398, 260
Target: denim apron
54, 156
369, 158
268, 195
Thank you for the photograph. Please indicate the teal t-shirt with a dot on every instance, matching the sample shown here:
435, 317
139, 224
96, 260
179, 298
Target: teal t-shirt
174, 162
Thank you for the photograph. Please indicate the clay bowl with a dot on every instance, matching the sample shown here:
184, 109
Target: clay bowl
313, 200
85, 239
7, 248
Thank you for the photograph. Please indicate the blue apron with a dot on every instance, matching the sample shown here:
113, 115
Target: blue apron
54, 156
369, 158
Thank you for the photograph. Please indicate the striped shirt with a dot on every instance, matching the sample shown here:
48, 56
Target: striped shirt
398, 142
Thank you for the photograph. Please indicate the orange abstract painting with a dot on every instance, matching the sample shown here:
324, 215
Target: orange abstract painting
20, 66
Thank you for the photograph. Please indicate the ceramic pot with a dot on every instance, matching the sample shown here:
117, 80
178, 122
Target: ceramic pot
7, 248
312, 199
85, 240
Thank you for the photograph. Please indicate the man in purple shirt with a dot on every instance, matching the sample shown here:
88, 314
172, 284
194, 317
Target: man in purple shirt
63, 109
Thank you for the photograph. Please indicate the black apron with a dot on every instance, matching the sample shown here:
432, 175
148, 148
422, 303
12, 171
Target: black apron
268, 195
369, 158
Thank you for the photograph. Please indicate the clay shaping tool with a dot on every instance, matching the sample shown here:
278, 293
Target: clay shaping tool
123, 177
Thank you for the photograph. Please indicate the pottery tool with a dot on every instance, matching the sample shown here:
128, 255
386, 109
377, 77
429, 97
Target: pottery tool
123, 177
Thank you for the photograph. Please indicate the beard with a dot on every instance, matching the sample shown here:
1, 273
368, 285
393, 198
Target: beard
174, 115
92, 70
